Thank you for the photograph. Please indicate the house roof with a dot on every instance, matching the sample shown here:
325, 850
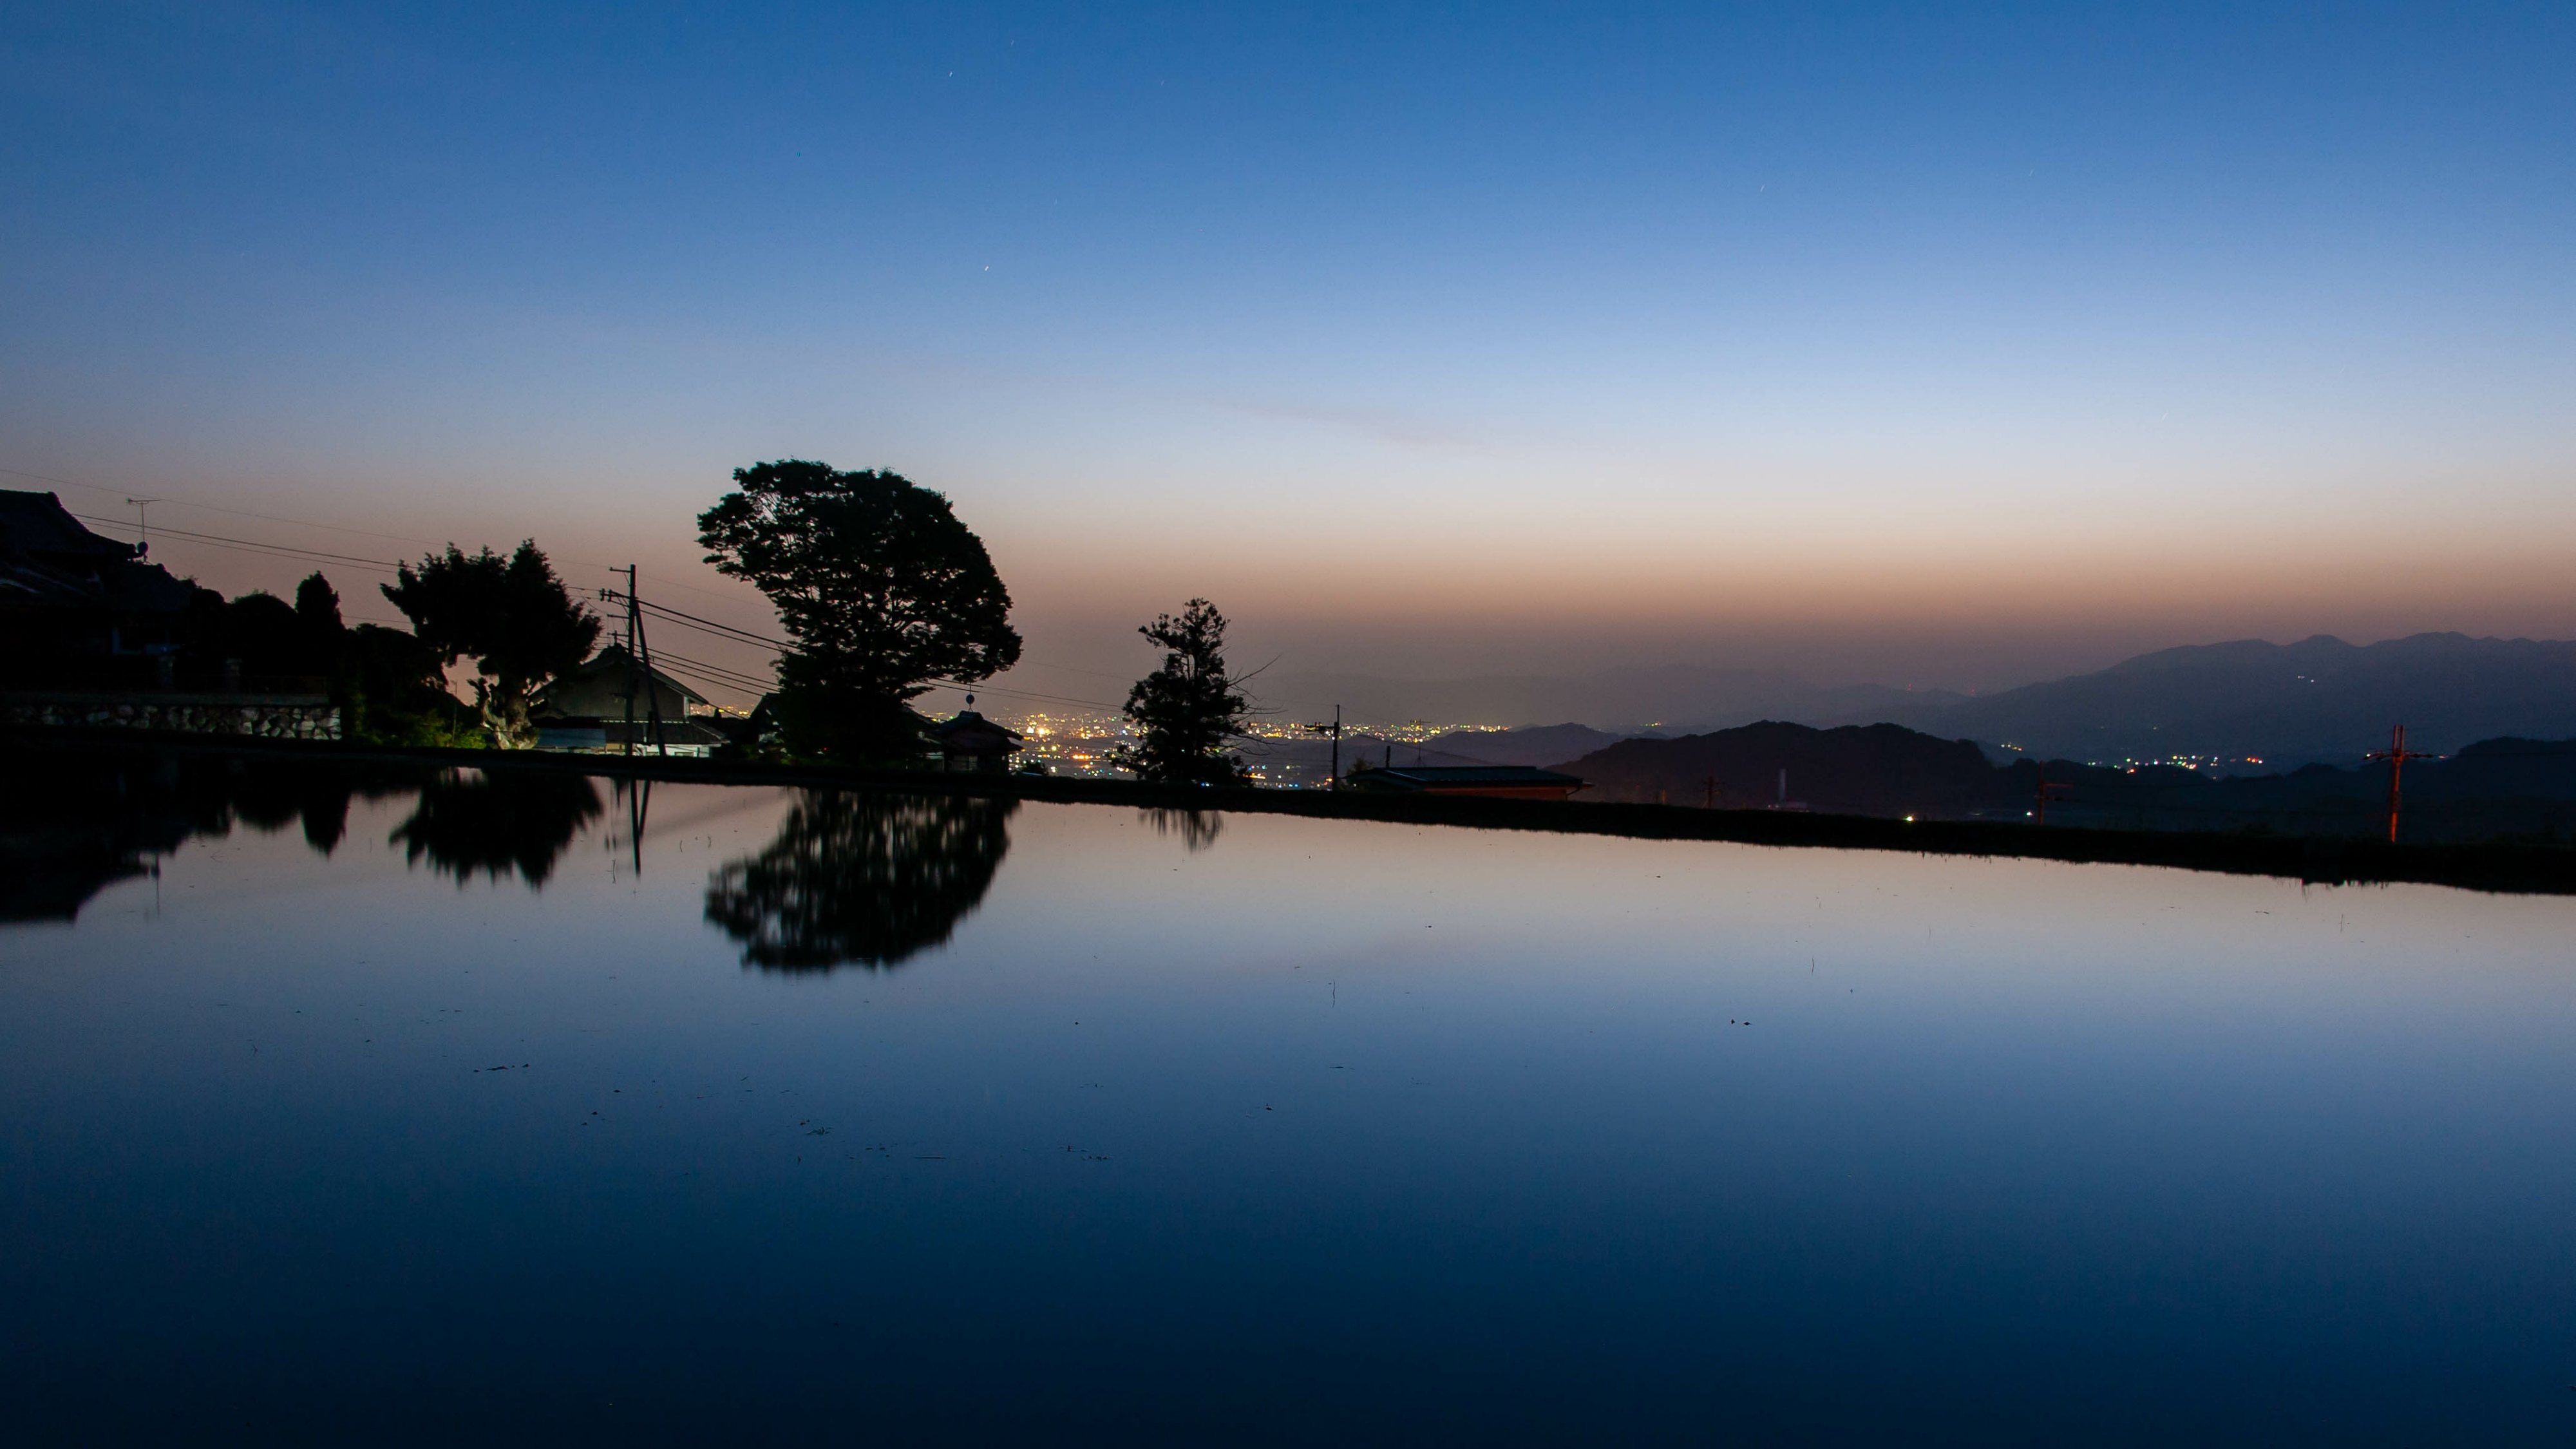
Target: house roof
38, 523
48, 558
971, 731
597, 689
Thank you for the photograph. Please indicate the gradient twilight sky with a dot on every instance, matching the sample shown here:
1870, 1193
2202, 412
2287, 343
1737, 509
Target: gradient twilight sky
1955, 346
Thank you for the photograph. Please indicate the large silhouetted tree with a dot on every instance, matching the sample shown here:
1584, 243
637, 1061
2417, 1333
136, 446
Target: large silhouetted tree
861, 879
512, 616
1187, 713
880, 586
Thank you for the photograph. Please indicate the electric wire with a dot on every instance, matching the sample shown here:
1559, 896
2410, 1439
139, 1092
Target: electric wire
737, 678
715, 673
251, 545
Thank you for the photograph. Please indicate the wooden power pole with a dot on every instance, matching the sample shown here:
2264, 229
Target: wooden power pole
639, 673
2396, 755
2044, 787
1335, 730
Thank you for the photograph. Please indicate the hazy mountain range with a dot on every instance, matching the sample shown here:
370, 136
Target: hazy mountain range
1668, 698
2491, 789
2318, 699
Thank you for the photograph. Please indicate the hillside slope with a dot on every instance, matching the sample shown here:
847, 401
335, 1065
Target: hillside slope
1879, 769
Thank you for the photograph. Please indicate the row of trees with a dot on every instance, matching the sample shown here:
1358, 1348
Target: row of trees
883, 591
509, 614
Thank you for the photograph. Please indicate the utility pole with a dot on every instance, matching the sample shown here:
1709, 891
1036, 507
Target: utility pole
1335, 730
142, 525
627, 739
643, 655
2396, 755
1708, 793
2044, 788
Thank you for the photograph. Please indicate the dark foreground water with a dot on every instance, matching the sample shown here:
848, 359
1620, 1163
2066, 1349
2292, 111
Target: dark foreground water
862, 1119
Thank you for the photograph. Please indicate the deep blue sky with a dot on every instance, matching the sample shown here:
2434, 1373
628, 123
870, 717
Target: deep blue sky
1960, 346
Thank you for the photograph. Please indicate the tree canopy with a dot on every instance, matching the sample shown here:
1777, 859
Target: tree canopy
512, 616
1188, 712
883, 590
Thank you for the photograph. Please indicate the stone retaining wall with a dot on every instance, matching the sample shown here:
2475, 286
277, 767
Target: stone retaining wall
264, 716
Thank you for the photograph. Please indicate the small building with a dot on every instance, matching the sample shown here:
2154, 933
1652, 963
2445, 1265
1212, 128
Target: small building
79, 608
972, 744
587, 711
1501, 782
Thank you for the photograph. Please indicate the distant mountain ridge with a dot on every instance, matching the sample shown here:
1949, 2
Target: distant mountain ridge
2318, 699
1618, 701
1524, 744
2521, 789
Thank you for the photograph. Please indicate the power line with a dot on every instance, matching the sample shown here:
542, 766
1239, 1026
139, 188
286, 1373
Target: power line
721, 674
217, 508
1024, 694
220, 541
744, 634
710, 676
179, 502
678, 672
731, 633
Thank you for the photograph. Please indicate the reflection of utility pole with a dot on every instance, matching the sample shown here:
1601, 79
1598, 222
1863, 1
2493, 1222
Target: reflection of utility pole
142, 524
2044, 787
639, 801
1335, 730
2396, 755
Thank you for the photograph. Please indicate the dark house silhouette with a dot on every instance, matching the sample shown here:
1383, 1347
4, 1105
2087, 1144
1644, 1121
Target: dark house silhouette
587, 710
970, 743
70, 598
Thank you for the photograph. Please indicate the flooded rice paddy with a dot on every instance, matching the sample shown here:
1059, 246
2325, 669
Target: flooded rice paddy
519, 1109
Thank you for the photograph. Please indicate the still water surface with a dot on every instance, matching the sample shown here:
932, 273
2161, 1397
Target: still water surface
883, 1120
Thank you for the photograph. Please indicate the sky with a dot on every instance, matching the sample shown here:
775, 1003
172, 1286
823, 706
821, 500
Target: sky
1946, 346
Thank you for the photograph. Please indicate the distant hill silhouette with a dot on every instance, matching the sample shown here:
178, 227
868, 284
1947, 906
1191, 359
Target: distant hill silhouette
2318, 699
1620, 701
1879, 769
2492, 789
1523, 744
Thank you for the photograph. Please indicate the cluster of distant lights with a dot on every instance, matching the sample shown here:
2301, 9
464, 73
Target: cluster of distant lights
1082, 740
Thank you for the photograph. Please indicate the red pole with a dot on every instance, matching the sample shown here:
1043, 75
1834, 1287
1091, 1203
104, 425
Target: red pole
2396, 768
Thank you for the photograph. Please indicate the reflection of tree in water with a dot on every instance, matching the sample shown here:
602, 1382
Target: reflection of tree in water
497, 822
864, 878
76, 818
1198, 829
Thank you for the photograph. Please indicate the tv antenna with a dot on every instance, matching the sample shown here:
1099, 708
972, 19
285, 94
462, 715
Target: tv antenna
142, 524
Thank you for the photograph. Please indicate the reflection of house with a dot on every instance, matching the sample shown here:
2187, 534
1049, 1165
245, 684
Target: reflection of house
1506, 782
974, 744
69, 598
607, 704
